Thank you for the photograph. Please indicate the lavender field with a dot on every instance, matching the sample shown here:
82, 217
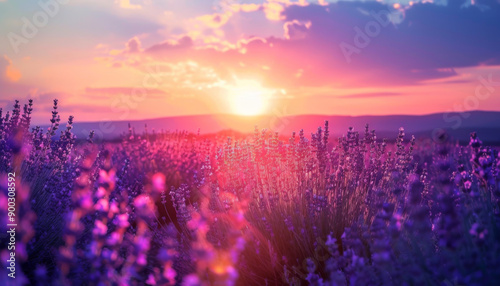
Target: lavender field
175, 208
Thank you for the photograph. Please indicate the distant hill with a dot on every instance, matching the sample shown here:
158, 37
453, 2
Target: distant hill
459, 126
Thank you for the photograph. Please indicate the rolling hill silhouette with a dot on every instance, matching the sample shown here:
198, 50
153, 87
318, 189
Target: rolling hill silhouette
458, 125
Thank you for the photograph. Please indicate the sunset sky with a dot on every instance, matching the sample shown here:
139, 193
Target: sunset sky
149, 58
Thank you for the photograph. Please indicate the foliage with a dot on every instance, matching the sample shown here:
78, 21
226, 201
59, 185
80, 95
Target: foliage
186, 209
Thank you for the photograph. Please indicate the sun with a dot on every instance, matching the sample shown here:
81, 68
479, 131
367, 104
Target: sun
248, 102
249, 98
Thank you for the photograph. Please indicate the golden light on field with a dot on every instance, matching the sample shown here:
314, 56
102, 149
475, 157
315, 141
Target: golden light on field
248, 97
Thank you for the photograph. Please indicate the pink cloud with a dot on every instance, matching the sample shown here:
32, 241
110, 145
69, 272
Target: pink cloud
371, 95
296, 30
121, 90
309, 54
183, 43
125, 4
215, 20
133, 45
11, 73
247, 7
